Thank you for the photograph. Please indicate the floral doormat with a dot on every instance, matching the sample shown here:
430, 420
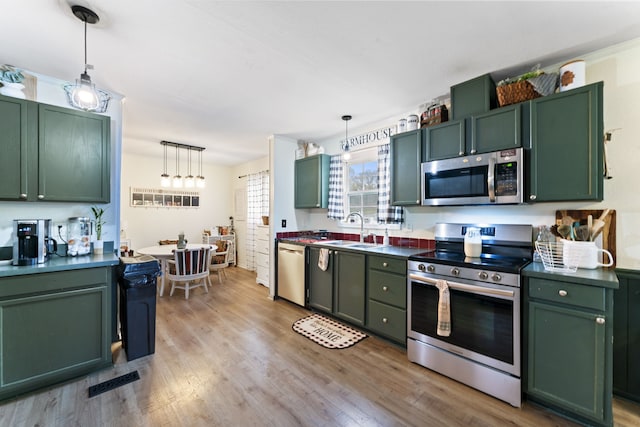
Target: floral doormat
327, 332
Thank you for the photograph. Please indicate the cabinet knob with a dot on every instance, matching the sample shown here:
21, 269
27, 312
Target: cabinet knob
600, 320
23, 196
473, 151
385, 288
40, 196
562, 293
384, 264
460, 153
385, 320
532, 197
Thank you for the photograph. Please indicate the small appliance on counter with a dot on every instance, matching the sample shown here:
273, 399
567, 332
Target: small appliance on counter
30, 241
78, 236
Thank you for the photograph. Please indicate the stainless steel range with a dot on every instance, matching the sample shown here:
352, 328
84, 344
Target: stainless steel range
483, 346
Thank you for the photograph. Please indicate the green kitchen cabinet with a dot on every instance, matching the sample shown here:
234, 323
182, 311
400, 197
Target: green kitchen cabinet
569, 334
444, 141
55, 326
626, 330
566, 147
53, 154
387, 297
474, 96
311, 187
320, 282
406, 156
340, 290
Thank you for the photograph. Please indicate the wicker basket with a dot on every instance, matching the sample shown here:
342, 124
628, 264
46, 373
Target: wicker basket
516, 92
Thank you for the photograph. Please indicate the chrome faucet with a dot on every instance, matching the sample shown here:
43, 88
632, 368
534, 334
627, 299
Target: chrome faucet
361, 224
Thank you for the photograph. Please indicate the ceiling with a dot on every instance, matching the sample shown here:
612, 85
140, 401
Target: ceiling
226, 75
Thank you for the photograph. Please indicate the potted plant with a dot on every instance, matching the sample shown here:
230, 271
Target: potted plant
11, 79
99, 221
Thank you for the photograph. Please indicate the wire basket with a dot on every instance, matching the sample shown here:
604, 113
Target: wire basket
555, 258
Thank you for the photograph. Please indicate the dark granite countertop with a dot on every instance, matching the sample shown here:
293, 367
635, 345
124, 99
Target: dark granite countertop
57, 263
368, 248
604, 278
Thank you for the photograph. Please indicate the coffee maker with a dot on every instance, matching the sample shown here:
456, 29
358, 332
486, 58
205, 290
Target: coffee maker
30, 241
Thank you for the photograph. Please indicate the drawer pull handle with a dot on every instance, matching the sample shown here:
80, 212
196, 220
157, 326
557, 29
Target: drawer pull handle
600, 320
562, 293
23, 195
385, 288
384, 264
385, 320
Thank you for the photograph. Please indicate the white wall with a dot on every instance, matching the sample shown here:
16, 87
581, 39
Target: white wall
619, 67
144, 226
49, 91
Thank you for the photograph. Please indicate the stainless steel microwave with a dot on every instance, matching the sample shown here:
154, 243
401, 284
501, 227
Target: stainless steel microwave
481, 179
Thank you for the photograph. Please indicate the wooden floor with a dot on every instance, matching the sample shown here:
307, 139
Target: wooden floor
230, 358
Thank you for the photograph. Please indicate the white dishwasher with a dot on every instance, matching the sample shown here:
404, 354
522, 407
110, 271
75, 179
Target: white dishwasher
291, 284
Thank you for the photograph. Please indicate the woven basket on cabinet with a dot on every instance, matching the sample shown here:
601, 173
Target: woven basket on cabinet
516, 92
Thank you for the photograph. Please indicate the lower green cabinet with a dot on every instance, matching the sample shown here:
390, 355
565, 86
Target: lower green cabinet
387, 297
569, 334
320, 282
54, 327
349, 290
626, 330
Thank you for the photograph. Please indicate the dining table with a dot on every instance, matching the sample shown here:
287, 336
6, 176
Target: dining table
164, 253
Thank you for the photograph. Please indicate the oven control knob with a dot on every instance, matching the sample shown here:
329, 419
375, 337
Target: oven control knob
455, 271
431, 268
421, 267
496, 277
483, 275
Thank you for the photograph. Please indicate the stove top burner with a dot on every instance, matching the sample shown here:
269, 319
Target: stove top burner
484, 262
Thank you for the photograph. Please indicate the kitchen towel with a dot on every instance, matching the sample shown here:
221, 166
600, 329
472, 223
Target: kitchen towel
323, 259
444, 309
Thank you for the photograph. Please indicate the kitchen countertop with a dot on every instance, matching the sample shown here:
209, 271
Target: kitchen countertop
601, 277
57, 263
369, 248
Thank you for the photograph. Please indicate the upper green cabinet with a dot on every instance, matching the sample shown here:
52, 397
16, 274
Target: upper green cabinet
311, 188
53, 154
566, 160
444, 141
405, 153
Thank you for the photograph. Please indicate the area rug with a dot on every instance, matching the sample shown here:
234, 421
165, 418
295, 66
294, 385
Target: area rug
327, 332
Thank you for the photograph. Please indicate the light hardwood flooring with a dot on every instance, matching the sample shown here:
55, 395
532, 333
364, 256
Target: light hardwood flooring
230, 358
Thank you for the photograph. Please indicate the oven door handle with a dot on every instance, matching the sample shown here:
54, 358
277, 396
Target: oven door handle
480, 290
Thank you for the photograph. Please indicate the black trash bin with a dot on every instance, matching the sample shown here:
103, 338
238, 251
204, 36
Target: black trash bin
138, 281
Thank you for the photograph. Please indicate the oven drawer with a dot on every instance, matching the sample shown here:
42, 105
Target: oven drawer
388, 321
392, 265
567, 293
387, 288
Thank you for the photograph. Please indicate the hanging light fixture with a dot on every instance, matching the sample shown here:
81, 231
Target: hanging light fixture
177, 179
84, 94
346, 155
200, 179
165, 180
189, 180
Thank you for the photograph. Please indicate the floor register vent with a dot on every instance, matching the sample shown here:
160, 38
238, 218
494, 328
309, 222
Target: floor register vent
97, 389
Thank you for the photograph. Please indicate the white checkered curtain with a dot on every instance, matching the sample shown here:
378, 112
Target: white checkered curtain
336, 188
387, 214
257, 206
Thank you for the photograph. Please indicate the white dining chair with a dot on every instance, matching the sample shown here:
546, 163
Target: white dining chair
189, 270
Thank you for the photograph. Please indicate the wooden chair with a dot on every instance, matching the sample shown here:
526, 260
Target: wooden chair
189, 266
220, 258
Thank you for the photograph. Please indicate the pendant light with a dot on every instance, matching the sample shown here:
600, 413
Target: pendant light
165, 180
83, 94
200, 179
346, 155
189, 180
177, 179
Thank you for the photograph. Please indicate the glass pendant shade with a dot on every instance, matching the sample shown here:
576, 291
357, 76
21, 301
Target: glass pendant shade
189, 181
200, 181
165, 180
177, 181
84, 95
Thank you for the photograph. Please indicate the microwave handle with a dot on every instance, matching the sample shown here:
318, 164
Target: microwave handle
491, 179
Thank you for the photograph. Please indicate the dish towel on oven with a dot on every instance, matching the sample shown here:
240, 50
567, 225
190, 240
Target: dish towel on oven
323, 259
444, 310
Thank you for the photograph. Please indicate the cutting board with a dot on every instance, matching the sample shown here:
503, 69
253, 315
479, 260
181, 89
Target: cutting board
608, 234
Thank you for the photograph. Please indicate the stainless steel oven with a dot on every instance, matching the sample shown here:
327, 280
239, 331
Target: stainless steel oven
483, 349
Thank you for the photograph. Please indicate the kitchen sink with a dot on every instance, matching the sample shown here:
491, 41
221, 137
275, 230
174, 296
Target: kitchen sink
362, 245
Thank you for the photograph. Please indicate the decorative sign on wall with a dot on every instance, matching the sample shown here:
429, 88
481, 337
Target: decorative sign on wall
374, 137
169, 198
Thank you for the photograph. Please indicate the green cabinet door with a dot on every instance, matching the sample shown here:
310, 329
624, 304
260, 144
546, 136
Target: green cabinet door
566, 358
566, 146
405, 153
16, 128
349, 281
444, 141
626, 330
496, 130
54, 327
74, 155
320, 281
311, 187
